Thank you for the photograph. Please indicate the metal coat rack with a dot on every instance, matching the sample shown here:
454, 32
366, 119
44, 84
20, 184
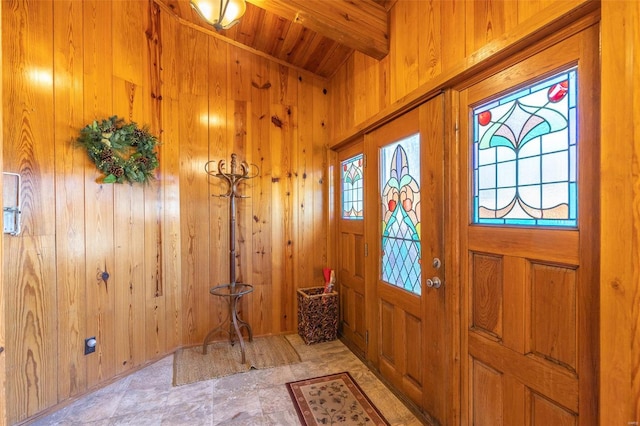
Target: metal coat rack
237, 174
233, 291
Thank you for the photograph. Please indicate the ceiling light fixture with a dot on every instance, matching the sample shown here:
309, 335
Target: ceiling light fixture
222, 14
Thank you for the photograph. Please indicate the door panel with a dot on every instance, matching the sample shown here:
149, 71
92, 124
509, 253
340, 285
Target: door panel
351, 268
530, 292
407, 337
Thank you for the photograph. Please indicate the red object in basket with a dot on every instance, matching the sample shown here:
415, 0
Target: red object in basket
327, 274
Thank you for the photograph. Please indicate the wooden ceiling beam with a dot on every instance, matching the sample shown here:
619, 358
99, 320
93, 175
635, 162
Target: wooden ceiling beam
360, 24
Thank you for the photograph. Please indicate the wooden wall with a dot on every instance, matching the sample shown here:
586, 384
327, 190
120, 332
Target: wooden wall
430, 41
164, 245
221, 100
620, 215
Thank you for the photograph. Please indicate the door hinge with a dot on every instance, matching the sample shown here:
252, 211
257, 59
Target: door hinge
366, 249
364, 160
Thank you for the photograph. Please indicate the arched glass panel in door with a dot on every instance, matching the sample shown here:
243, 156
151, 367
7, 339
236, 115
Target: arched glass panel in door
400, 203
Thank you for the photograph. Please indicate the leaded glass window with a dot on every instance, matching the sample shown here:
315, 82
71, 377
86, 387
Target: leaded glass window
352, 188
400, 190
524, 156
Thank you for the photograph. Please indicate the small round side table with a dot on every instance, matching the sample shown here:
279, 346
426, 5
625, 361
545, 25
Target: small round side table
233, 293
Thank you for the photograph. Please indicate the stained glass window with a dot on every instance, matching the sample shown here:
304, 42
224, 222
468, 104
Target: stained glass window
352, 188
524, 156
400, 190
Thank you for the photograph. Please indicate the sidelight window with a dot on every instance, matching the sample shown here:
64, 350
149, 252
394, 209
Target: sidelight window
352, 178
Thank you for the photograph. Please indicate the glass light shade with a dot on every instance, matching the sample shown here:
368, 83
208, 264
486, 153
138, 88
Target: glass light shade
222, 14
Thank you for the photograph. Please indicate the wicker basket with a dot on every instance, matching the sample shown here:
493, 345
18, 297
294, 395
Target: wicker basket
317, 315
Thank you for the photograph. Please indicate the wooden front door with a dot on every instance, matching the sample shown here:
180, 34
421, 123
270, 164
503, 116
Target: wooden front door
406, 257
351, 246
529, 229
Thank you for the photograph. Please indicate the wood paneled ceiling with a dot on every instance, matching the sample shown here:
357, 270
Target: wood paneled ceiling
313, 35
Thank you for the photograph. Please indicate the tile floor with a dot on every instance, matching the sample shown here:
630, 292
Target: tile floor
258, 397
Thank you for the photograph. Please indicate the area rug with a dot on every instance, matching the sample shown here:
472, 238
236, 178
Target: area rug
335, 399
222, 359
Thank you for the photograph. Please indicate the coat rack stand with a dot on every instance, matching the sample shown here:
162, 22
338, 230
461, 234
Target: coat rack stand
231, 291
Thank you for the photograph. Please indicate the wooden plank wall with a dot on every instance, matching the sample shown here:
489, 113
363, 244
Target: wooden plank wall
230, 101
620, 219
428, 39
29, 272
165, 244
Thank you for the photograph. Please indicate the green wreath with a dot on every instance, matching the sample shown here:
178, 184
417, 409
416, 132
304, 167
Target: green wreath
123, 152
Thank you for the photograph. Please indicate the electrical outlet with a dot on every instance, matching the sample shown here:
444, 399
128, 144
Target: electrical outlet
90, 345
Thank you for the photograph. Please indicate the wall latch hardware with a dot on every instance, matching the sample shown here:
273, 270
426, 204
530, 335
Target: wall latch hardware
11, 212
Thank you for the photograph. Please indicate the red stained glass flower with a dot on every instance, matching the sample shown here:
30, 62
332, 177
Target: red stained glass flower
558, 91
484, 118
